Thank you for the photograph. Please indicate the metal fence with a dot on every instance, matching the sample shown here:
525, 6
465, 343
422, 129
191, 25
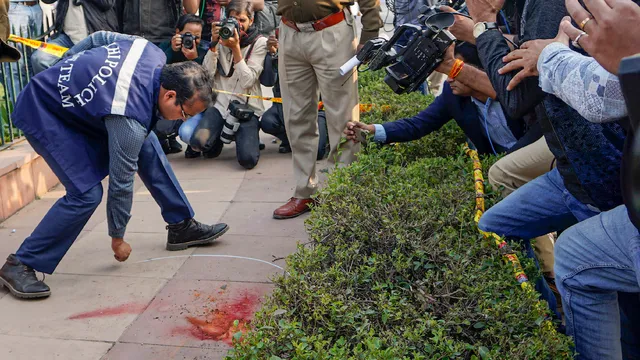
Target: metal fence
14, 77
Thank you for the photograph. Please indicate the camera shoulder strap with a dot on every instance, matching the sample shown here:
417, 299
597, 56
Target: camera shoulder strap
246, 58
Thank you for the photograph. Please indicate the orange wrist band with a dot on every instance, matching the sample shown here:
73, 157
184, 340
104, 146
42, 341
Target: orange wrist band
456, 68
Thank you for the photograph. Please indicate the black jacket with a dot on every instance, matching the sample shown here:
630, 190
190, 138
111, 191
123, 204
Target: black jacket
154, 20
98, 14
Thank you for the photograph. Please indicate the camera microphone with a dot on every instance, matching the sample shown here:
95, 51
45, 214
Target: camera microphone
349, 65
364, 54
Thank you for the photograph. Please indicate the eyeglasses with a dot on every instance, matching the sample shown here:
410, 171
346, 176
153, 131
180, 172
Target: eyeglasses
185, 116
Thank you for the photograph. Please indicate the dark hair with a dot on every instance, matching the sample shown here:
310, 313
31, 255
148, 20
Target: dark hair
240, 6
190, 80
188, 19
469, 53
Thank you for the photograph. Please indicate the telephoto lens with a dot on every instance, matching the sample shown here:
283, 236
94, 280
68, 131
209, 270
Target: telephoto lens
229, 129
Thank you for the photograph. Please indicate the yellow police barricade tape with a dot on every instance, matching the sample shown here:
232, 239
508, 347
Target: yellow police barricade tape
521, 277
363, 107
53, 49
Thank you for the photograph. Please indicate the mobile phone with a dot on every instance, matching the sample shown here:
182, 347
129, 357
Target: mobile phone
362, 135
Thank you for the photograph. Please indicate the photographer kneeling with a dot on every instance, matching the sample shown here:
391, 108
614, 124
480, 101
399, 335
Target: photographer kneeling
183, 46
481, 118
235, 57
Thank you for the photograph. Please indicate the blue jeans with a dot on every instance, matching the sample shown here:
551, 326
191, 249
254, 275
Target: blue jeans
539, 207
97, 39
272, 122
41, 61
26, 21
596, 260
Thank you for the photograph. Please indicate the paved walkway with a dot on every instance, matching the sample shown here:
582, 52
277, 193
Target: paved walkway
180, 307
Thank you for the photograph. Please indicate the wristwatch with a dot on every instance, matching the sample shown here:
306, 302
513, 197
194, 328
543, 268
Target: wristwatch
481, 27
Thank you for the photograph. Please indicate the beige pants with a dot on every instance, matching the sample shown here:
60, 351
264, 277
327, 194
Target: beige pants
517, 169
309, 64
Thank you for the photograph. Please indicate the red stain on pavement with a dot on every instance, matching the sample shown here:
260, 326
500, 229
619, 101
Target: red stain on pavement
124, 309
219, 322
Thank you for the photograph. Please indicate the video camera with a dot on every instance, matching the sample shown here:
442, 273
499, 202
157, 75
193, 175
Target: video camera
188, 40
238, 113
408, 66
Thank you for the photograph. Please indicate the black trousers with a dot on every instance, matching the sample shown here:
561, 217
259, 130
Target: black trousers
272, 122
207, 138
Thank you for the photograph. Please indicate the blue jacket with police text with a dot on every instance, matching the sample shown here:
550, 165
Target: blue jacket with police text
64, 107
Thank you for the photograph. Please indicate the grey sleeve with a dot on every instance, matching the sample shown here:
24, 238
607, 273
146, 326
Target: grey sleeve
126, 137
582, 83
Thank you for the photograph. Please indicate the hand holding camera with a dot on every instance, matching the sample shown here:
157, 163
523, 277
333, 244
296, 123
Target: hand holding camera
462, 28
358, 132
272, 44
176, 42
484, 10
448, 60
186, 43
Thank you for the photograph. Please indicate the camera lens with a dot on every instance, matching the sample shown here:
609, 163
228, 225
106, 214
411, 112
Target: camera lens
187, 40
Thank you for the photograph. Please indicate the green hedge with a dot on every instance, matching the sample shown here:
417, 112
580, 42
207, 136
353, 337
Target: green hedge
395, 267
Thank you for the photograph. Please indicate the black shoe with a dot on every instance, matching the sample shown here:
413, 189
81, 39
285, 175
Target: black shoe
214, 151
190, 233
191, 154
284, 149
21, 280
166, 149
175, 145
262, 146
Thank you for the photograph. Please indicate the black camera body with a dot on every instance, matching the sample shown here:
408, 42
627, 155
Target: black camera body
422, 55
227, 26
409, 66
188, 40
240, 111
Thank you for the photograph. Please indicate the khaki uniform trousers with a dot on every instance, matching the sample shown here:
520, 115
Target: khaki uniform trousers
517, 169
309, 65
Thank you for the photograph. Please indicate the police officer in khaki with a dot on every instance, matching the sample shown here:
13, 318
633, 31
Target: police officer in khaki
316, 38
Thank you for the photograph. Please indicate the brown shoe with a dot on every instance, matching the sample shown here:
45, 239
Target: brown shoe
295, 207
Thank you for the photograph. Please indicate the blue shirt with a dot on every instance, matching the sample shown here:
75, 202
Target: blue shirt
495, 123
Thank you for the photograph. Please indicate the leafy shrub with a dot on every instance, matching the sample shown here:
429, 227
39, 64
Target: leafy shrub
396, 269
441, 143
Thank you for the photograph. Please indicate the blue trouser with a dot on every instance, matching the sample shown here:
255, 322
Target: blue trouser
41, 61
539, 207
597, 264
60, 227
26, 21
